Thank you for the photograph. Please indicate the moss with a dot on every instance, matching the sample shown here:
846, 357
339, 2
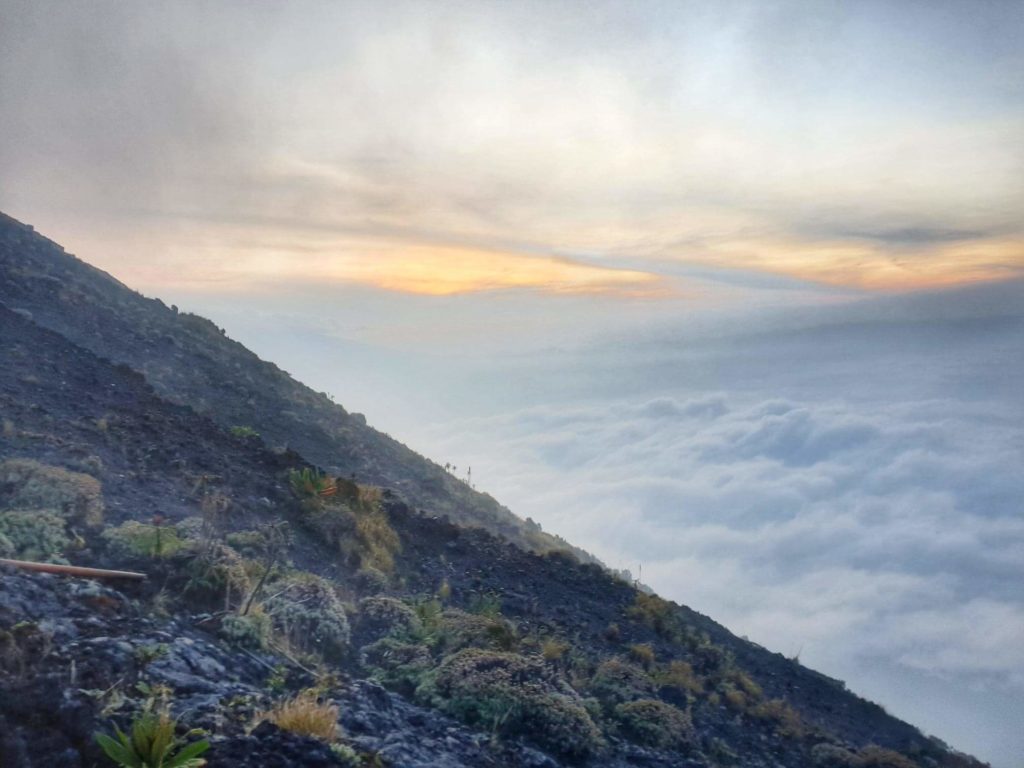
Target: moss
380, 617
616, 682
655, 724
35, 534
306, 609
27, 484
514, 695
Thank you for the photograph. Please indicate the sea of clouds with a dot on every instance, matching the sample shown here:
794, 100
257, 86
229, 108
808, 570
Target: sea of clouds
855, 498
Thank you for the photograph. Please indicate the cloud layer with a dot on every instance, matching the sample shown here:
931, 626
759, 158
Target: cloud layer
838, 143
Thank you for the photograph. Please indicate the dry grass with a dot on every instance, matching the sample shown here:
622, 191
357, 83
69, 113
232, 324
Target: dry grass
306, 715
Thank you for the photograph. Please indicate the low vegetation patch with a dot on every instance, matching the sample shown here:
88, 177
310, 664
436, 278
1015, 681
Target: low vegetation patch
306, 715
514, 695
654, 723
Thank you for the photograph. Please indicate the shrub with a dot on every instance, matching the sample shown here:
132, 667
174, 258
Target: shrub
380, 542
135, 539
745, 683
396, 664
832, 756
514, 695
34, 535
459, 630
306, 715
787, 720
370, 580
364, 538
655, 723
873, 756
152, 744
680, 676
616, 682
244, 432
384, 616
642, 654
656, 613
249, 631
27, 484
553, 649
216, 573
306, 609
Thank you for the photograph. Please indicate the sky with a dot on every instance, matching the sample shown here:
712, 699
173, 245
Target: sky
731, 292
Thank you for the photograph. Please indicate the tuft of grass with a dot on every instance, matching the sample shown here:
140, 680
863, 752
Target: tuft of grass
307, 715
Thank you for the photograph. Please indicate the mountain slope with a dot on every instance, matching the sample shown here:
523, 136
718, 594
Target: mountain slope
188, 360
573, 624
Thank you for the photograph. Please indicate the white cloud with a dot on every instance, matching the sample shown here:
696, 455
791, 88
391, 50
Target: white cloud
854, 534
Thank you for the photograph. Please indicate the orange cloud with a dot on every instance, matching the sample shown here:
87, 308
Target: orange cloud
440, 270
876, 267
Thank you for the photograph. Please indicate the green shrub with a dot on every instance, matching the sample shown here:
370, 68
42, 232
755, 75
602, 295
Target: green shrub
135, 539
655, 724
396, 664
35, 534
833, 756
616, 682
459, 630
656, 613
873, 756
786, 719
514, 695
249, 631
152, 744
680, 676
306, 609
370, 580
642, 654
553, 649
27, 484
217, 573
244, 432
381, 616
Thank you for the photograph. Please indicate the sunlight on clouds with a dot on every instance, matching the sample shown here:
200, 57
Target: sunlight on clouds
438, 270
872, 266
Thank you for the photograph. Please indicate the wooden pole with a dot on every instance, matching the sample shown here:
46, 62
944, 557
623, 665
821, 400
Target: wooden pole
73, 570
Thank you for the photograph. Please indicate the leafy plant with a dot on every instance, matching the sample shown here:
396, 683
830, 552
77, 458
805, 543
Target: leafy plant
310, 482
151, 743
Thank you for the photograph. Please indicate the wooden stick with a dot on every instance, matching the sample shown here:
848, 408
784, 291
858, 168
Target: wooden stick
73, 570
